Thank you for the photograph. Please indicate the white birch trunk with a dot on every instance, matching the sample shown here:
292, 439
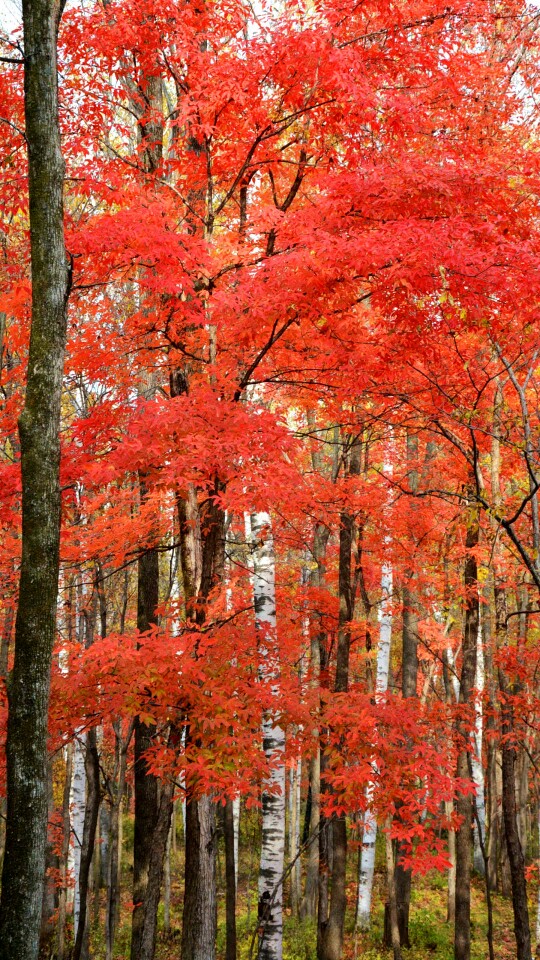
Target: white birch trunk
78, 808
476, 757
273, 793
454, 680
369, 838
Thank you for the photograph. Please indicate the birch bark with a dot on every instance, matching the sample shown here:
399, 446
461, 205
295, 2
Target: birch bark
273, 794
367, 856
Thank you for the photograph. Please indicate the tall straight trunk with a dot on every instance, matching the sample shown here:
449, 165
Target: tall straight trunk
476, 758
490, 780
294, 845
202, 570
230, 881
236, 830
273, 791
508, 743
88, 838
78, 807
145, 783
66, 835
369, 838
167, 884
104, 843
49, 903
509, 806
462, 942
392, 911
199, 918
409, 683
451, 897
112, 909
87, 624
330, 940
23, 867
148, 927
202, 560
317, 579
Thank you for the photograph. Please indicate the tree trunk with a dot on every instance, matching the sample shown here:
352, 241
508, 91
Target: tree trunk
236, 828
294, 846
273, 790
317, 579
104, 843
49, 903
230, 881
167, 884
89, 836
148, 927
409, 683
199, 919
508, 742
331, 941
462, 942
66, 836
451, 899
391, 911
476, 759
35, 630
509, 806
202, 569
145, 783
367, 857
115, 839
78, 807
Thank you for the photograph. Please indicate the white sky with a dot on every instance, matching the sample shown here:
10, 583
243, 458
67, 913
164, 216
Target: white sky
10, 15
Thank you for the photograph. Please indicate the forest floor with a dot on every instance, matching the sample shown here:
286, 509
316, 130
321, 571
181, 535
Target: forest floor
431, 935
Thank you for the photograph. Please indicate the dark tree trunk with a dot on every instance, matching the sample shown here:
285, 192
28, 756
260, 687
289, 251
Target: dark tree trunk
113, 874
332, 935
308, 907
200, 920
409, 683
230, 882
508, 744
509, 807
464, 805
199, 925
148, 930
145, 783
330, 940
35, 630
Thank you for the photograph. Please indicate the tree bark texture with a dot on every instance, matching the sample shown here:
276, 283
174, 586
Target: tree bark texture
317, 579
462, 942
331, 939
230, 881
509, 806
199, 919
35, 630
145, 783
273, 790
89, 835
